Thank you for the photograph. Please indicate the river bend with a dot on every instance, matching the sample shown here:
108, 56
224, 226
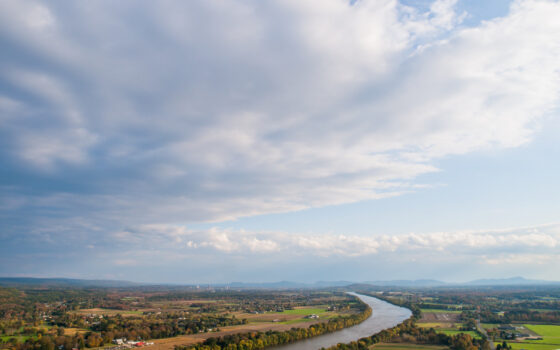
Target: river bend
384, 315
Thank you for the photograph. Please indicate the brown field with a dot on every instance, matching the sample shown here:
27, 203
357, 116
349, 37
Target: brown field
432, 317
436, 325
73, 331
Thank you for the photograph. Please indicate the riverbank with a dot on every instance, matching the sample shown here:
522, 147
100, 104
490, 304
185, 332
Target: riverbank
384, 315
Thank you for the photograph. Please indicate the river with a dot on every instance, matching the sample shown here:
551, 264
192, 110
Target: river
384, 315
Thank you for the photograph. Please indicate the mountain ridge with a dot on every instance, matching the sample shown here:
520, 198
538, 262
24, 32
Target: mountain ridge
71, 282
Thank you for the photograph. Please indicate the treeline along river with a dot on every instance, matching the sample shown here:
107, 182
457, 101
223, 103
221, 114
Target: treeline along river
384, 315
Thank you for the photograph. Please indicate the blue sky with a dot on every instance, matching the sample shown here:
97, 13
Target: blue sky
202, 141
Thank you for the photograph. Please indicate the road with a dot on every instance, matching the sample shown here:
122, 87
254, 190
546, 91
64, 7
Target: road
483, 332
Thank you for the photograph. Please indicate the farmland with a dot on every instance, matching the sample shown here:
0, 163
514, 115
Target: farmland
550, 335
69, 318
183, 318
503, 313
404, 346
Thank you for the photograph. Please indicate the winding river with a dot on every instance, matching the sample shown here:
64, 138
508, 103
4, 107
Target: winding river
383, 316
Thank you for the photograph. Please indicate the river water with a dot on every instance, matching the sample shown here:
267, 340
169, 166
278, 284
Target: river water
383, 316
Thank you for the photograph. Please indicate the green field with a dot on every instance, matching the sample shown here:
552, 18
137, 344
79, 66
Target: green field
549, 333
20, 338
110, 312
434, 324
546, 331
445, 327
305, 311
321, 312
405, 346
302, 312
454, 332
529, 346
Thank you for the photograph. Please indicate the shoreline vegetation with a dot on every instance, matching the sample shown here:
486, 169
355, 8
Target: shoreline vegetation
408, 332
262, 340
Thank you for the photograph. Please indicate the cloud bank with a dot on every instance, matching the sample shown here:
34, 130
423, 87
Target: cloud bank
227, 255
544, 239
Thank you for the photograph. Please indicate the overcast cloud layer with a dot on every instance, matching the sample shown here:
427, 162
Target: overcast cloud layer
159, 114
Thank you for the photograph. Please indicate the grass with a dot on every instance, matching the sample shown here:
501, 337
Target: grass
305, 311
445, 327
406, 346
111, 312
20, 338
441, 311
545, 330
321, 312
129, 298
434, 324
298, 320
549, 333
455, 332
528, 346
297, 315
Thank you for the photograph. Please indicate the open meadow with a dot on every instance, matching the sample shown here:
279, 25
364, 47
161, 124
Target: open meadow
550, 335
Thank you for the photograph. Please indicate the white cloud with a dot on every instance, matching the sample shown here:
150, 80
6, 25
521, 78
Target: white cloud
200, 110
516, 243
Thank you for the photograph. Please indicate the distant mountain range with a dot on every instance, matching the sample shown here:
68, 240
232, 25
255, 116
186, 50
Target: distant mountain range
407, 283
68, 282
514, 281
64, 282
289, 284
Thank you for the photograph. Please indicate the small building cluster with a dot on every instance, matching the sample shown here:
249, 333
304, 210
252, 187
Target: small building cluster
128, 344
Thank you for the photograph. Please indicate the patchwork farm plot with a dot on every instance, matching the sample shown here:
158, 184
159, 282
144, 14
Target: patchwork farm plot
548, 338
438, 316
296, 315
405, 346
450, 328
101, 318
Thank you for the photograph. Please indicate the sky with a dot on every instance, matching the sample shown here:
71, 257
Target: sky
209, 141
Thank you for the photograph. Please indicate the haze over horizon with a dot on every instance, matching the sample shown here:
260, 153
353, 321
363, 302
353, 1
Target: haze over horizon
64, 281
211, 142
